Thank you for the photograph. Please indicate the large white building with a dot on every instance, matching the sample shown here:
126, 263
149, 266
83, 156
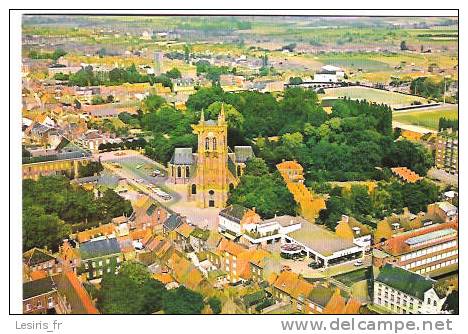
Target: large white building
401, 291
239, 222
329, 73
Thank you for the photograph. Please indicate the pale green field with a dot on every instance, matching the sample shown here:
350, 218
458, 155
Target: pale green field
427, 118
373, 95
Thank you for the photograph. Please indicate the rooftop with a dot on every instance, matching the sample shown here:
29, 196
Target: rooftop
38, 287
36, 256
430, 236
287, 220
405, 281
98, 248
234, 212
320, 239
243, 153
182, 156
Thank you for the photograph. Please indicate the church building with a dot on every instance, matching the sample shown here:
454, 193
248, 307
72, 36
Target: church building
214, 170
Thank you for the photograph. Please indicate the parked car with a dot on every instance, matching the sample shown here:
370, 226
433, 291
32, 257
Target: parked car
358, 263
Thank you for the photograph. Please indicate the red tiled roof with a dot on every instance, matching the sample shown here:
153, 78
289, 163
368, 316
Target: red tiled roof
397, 245
406, 174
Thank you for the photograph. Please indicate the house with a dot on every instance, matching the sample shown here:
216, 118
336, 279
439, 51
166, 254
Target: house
98, 256
185, 273
241, 263
147, 213
199, 239
160, 247
58, 294
41, 297
69, 257
401, 291
173, 221
406, 175
445, 211
312, 298
349, 228
182, 236
293, 174
37, 259
291, 288
101, 230
239, 223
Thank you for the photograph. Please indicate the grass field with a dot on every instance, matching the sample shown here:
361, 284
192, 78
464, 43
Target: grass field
374, 95
427, 118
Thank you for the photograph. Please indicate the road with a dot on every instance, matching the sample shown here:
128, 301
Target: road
129, 160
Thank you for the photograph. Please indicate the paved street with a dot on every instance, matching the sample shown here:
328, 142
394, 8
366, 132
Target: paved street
129, 160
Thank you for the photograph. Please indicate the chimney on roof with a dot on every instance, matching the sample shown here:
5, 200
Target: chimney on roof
345, 218
253, 209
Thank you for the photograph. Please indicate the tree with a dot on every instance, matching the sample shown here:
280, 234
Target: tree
43, 230
205, 97
451, 303
403, 46
112, 205
147, 294
215, 304
273, 197
182, 301
256, 167
151, 103
292, 141
295, 80
92, 168
174, 73
233, 117
408, 154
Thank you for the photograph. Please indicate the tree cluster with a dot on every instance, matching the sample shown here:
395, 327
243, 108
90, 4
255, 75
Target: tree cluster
272, 197
390, 196
147, 295
52, 206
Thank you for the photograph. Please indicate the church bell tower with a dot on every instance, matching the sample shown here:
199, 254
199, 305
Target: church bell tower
211, 183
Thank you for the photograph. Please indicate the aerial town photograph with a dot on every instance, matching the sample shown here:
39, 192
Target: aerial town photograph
239, 164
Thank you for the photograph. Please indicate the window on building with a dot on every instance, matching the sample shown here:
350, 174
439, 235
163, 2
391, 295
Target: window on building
194, 189
214, 143
179, 171
187, 171
207, 143
28, 307
39, 304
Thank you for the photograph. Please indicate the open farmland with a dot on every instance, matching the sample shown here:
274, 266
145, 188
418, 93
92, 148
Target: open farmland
428, 118
393, 99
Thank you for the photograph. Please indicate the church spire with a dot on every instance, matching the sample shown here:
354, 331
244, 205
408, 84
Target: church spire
202, 116
221, 117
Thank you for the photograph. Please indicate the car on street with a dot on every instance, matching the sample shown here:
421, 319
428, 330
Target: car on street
358, 263
160, 193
